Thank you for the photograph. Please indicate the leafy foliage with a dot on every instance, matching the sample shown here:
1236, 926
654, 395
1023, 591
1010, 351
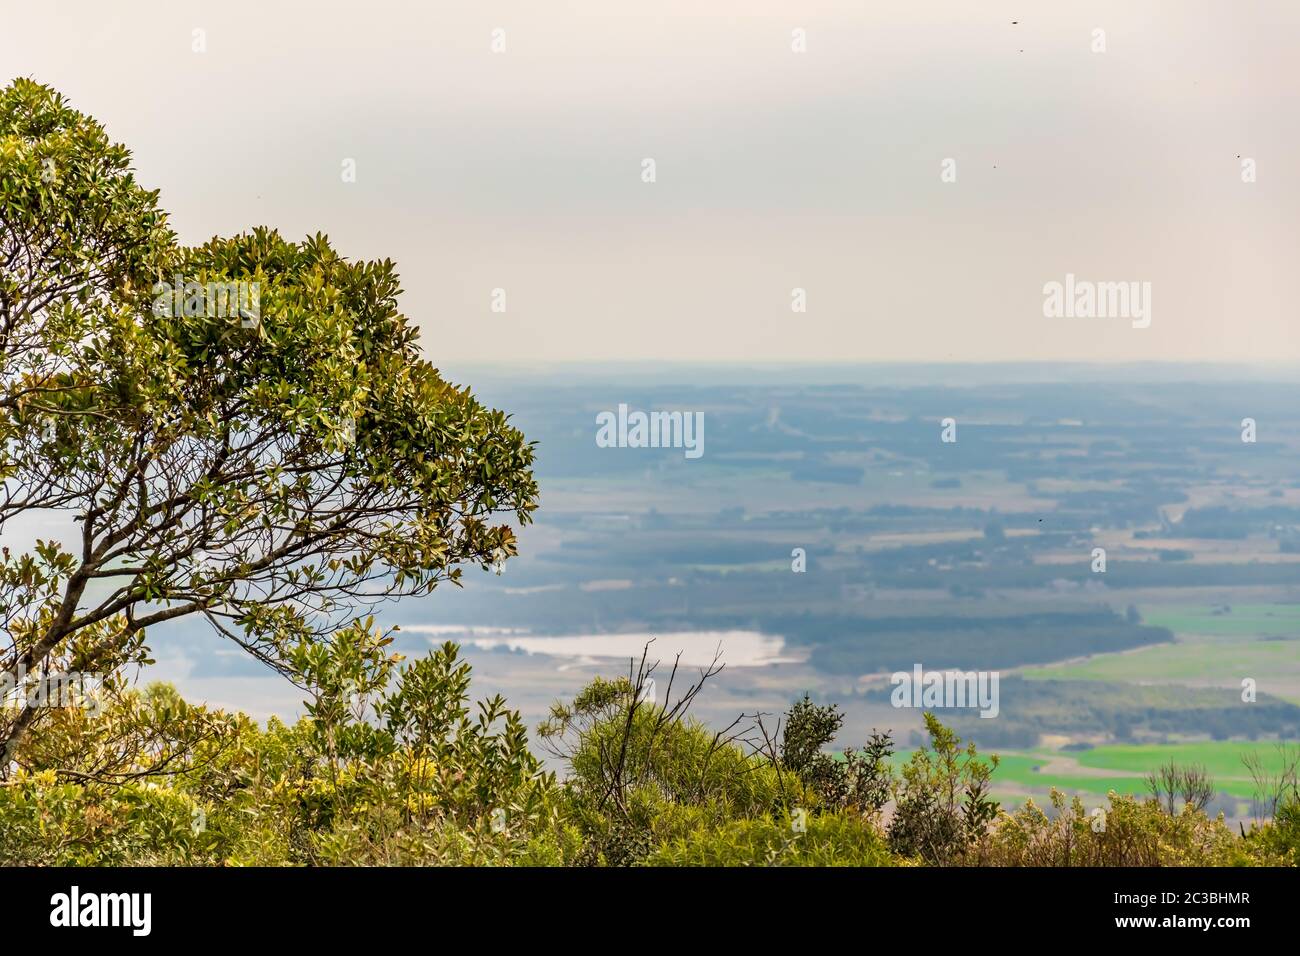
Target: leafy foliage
833, 839
416, 778
860, 780
269, 476
942, 805
1130, 832
641, 772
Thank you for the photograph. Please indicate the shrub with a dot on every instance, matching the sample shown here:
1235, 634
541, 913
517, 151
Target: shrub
942, 805
1132, 832
412, 778
1277, 842
828, 839
860, 780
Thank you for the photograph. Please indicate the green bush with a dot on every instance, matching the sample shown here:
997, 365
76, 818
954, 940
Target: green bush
411, 778
1131, 832
830, 839
942, 805
1277, 842
47, 823
415, 777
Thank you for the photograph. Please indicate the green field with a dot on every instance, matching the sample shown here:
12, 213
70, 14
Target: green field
1274, 665
1088, 772
1260, 641
1243, 620
1221, 758
1027, 770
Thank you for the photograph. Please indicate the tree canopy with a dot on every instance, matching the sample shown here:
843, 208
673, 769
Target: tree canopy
273, 469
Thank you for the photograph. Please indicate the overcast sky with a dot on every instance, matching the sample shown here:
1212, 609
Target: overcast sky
775, 170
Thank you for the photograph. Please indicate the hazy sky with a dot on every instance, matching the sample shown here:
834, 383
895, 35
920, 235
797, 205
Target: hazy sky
821, 170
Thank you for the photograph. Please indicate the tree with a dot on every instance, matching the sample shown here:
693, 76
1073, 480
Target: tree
942, 805
1171, 782
77, 233
859, 780
641, 770
269, 469
1274, 787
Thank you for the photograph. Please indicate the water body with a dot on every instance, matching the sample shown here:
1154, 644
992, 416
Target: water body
697, 648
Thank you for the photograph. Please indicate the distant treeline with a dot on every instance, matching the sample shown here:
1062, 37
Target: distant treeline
860, 645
